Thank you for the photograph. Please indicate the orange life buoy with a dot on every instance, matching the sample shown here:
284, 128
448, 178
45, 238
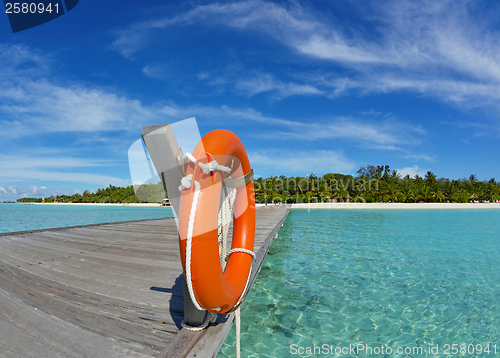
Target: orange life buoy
222, 152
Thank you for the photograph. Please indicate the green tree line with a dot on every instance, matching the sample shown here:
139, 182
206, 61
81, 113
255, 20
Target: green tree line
146, 193
374, 184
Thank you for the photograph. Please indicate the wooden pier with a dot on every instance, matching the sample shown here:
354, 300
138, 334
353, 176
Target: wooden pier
107, 290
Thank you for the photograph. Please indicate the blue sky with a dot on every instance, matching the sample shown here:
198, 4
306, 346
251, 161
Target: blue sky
308, 86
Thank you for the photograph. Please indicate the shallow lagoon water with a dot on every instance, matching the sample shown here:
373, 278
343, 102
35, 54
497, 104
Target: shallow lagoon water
380, 278
20, 217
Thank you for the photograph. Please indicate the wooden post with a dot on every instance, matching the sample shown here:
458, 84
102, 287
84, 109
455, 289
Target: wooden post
192, 316
163, 149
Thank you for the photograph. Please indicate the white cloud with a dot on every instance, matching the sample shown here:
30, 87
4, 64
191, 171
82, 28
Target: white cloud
266, 83
156, 71
56, 168
448, 49
385, 133
464, 93
22, 61
337, 50
14, 162
300, 163
382, 134
412, 171
31, 103
293, 26
421, 156
67, 177
48, 107
14, 192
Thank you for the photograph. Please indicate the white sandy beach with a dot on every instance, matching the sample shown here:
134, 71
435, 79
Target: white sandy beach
396, 206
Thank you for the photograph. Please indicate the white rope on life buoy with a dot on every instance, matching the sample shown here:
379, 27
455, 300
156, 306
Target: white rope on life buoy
245, 251
192, 215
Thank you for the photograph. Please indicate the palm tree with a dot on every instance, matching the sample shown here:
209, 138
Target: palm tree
491, 192
360, 188
440, 196
292, 186
430, 178
302, 185
259, 186
392, 192
454, 196
311, 178
427, 193
395, 176
342, 193
412, 193
272, 182
323, 195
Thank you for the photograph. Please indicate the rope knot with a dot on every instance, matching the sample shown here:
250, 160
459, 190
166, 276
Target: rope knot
210, 317
186, 182
205, 168
213, 166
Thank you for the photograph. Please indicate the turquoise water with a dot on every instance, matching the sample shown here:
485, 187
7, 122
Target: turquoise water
379, 278
20, 217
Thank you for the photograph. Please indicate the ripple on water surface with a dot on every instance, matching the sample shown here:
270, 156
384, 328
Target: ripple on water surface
397, 278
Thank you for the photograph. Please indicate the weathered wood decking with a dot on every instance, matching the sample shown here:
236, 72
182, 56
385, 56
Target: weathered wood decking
111, 290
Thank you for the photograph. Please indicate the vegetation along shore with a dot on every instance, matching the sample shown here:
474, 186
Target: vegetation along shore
148, 193
373, 184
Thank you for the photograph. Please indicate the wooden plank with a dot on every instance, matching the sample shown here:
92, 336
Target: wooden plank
7, 352
55, 333
209, 344
182, 344
24, 345
105, 321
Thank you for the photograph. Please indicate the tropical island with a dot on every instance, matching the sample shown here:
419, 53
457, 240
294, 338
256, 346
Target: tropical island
149, 193
373, 184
